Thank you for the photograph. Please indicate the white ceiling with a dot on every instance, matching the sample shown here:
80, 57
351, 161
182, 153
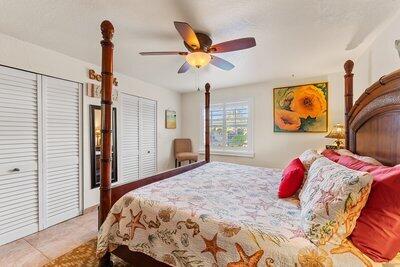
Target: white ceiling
300, 37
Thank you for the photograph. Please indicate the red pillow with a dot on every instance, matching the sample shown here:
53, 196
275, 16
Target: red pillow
331, 154
377, 231
292, 178
353, 163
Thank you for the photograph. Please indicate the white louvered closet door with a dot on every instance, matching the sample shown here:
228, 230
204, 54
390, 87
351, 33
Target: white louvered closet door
61, 150
148, 137
129, 145
19, 196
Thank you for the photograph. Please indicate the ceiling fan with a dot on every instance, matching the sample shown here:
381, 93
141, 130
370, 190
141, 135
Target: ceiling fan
201, 49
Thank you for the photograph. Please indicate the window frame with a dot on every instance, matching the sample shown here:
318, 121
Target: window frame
230, 151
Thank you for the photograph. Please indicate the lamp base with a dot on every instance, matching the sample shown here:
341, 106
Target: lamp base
337, 144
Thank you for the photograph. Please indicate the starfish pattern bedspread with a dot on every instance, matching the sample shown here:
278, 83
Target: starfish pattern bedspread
219, 214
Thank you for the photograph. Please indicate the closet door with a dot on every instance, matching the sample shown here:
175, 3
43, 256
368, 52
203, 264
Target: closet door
129, 145
148, 137
19, 196
61, 150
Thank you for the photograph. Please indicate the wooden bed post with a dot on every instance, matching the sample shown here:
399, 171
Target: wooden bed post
107, 30
348, 96
207, 123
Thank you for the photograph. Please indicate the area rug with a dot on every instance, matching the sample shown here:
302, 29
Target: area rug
84, 255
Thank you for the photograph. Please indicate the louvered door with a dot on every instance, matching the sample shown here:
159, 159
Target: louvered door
129, 145
19, 196
61, 150
148, 137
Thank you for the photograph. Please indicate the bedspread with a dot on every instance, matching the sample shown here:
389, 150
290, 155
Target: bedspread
219, 214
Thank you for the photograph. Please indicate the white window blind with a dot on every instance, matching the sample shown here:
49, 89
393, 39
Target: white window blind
230, 128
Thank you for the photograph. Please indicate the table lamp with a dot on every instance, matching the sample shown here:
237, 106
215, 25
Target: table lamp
337, 133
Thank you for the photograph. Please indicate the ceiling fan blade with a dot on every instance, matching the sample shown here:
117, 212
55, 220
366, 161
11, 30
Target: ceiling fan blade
187, 33
163, 53
184, 68
221, 63
233, 45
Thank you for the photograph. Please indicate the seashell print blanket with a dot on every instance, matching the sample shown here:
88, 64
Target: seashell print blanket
219, 214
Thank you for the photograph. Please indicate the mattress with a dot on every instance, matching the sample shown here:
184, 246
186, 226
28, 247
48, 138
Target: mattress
219, 214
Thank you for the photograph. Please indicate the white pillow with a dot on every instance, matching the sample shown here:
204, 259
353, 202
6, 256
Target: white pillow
331, 201
308, 157
366, 159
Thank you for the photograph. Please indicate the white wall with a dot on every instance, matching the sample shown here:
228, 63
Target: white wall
23, 55
276, 149
271, 149
379, 59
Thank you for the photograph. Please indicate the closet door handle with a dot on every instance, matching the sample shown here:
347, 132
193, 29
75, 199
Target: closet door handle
15, 170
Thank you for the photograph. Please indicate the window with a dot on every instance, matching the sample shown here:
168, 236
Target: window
230, 128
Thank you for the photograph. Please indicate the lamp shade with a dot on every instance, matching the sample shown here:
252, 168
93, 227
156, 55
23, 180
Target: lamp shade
198, 59
337, 132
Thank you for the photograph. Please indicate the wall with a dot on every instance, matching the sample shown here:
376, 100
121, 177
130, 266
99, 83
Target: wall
276, 149
23, 55
271, 149
380, 58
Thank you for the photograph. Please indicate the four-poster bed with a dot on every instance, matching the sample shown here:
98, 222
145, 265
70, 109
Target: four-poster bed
372, 124
108, 195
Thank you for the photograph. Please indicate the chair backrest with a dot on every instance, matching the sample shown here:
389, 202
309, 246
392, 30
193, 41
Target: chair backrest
182, 145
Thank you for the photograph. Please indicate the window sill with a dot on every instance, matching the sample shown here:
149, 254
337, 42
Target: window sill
233, 153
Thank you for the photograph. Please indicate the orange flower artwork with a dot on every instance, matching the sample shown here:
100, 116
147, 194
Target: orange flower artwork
287, 120
302, 108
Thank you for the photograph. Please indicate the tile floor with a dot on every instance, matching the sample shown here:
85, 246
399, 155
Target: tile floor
39, 248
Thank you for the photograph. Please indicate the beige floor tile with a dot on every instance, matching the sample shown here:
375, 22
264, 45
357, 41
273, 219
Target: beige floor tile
20, 254
61, 238
38, 248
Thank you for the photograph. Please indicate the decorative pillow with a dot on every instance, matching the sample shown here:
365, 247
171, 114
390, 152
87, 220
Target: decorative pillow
331, 154
292, 179
308, 157
331, 201
352, 163
377, 232
345, 152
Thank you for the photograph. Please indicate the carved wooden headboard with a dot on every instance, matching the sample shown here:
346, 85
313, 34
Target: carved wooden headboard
373, 122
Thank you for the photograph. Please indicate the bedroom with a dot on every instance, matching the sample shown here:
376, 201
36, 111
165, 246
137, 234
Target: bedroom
52, 73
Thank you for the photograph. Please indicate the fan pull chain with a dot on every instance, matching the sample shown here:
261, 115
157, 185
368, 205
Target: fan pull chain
197, 80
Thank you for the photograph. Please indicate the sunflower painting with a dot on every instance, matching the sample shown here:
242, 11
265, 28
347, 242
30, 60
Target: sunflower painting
302, 108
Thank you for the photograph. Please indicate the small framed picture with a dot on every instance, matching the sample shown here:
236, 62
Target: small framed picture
170, 119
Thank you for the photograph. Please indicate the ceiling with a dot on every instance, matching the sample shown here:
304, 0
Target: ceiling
294, 38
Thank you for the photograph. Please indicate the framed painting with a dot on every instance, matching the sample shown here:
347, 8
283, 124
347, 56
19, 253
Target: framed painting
301, 108
170, 119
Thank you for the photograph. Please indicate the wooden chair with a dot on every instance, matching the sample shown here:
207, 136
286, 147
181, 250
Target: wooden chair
183, 151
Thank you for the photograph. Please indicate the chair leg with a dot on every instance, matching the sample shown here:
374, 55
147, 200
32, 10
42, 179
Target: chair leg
179, 163
190, 162
176, 163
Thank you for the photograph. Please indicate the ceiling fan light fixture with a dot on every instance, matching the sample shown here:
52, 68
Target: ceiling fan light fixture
198, 59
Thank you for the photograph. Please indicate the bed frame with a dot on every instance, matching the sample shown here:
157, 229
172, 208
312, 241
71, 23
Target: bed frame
372, 127
373, 122
109, 195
